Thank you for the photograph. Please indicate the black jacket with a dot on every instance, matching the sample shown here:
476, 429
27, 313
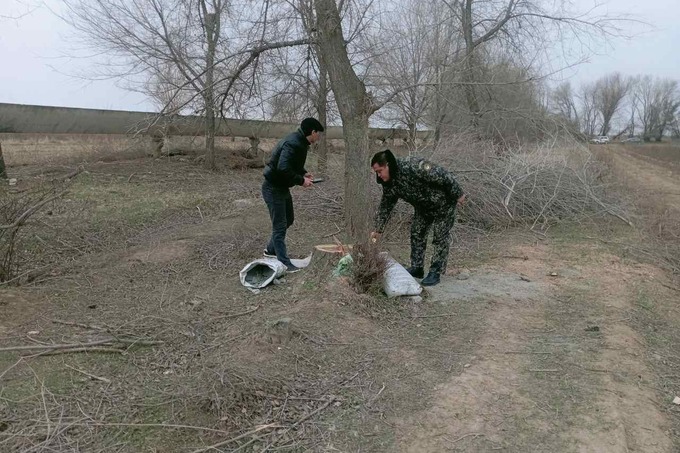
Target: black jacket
286, 167
429, 188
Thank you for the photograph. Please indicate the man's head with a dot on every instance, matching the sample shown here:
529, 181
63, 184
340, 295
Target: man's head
381, 164
311, 128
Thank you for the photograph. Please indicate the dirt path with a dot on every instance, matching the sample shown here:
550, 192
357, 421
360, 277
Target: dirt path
558, 368
657, 179
571, 361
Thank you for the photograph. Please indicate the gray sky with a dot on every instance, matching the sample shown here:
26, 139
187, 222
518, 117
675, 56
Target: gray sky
35, 68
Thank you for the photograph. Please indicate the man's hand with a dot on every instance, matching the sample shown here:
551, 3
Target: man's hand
307, 182
375, 237
461, 200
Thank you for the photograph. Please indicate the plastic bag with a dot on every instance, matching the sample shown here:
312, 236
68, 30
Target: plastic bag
344, 267
261, 272
398, 282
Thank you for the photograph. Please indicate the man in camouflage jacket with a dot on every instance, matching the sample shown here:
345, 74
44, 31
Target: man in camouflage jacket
434, 194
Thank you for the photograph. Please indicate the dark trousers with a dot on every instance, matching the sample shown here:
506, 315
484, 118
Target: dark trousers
280, 205
441, 239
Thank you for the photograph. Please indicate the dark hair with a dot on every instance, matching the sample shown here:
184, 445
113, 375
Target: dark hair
309, 125
382, 158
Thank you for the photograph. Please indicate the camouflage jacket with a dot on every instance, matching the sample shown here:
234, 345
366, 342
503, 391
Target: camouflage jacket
429, 188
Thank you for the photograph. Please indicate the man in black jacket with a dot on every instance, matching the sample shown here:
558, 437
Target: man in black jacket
434, 194
286, 169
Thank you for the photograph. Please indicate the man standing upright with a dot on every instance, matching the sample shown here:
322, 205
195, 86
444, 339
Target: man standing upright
286, 168
434, 194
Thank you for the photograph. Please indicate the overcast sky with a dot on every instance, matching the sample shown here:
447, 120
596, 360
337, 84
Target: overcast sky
34, 68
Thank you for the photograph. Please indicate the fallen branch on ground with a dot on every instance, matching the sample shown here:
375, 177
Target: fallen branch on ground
296, 424
234, 439
99, 378
109, 342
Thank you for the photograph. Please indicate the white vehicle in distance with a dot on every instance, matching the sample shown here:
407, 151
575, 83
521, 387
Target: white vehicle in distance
600, 140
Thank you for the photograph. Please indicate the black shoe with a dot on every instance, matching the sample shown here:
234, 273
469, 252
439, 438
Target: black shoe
416, 272
268, 254
291, 268
431, 279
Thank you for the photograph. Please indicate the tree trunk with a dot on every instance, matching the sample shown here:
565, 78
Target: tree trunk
322, 108
355, 108
469, 65
211, 27
3, 171
357, 177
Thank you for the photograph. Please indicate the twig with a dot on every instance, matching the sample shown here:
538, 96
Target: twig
526, 352
55, 346
375, 398
130, 177
77, 350
103, 379
8, 369
152, 425
332, 234
545, 371
670, 287
235, 315
76, 324
432, 316
31, 210
522, 257
7, 282
464, 437
75, 172
200, 213
297, 423
239, 437
109, 341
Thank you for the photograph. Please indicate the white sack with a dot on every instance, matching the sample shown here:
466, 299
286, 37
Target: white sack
261, 272
397, 281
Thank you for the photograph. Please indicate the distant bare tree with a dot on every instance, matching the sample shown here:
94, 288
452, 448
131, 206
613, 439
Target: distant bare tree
589, 114
409, 67
610, 92
563, 103
658, 102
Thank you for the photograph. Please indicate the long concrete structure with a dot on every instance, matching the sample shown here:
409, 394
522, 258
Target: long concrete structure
20, 118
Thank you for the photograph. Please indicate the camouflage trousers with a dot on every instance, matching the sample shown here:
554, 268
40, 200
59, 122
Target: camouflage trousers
441, 239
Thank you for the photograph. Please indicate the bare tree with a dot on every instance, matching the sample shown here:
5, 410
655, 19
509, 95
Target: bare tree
16, 9
658, 102
610, 92
142, 36
521, 28
589, 114
408, 67
356, 105
563, 103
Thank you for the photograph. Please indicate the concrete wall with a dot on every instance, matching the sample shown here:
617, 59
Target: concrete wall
18, 118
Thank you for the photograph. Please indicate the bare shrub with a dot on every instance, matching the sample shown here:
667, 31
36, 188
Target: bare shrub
368, 268
15, 210
534, 185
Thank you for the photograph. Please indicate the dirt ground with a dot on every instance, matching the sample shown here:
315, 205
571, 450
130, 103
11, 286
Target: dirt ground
566, 342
